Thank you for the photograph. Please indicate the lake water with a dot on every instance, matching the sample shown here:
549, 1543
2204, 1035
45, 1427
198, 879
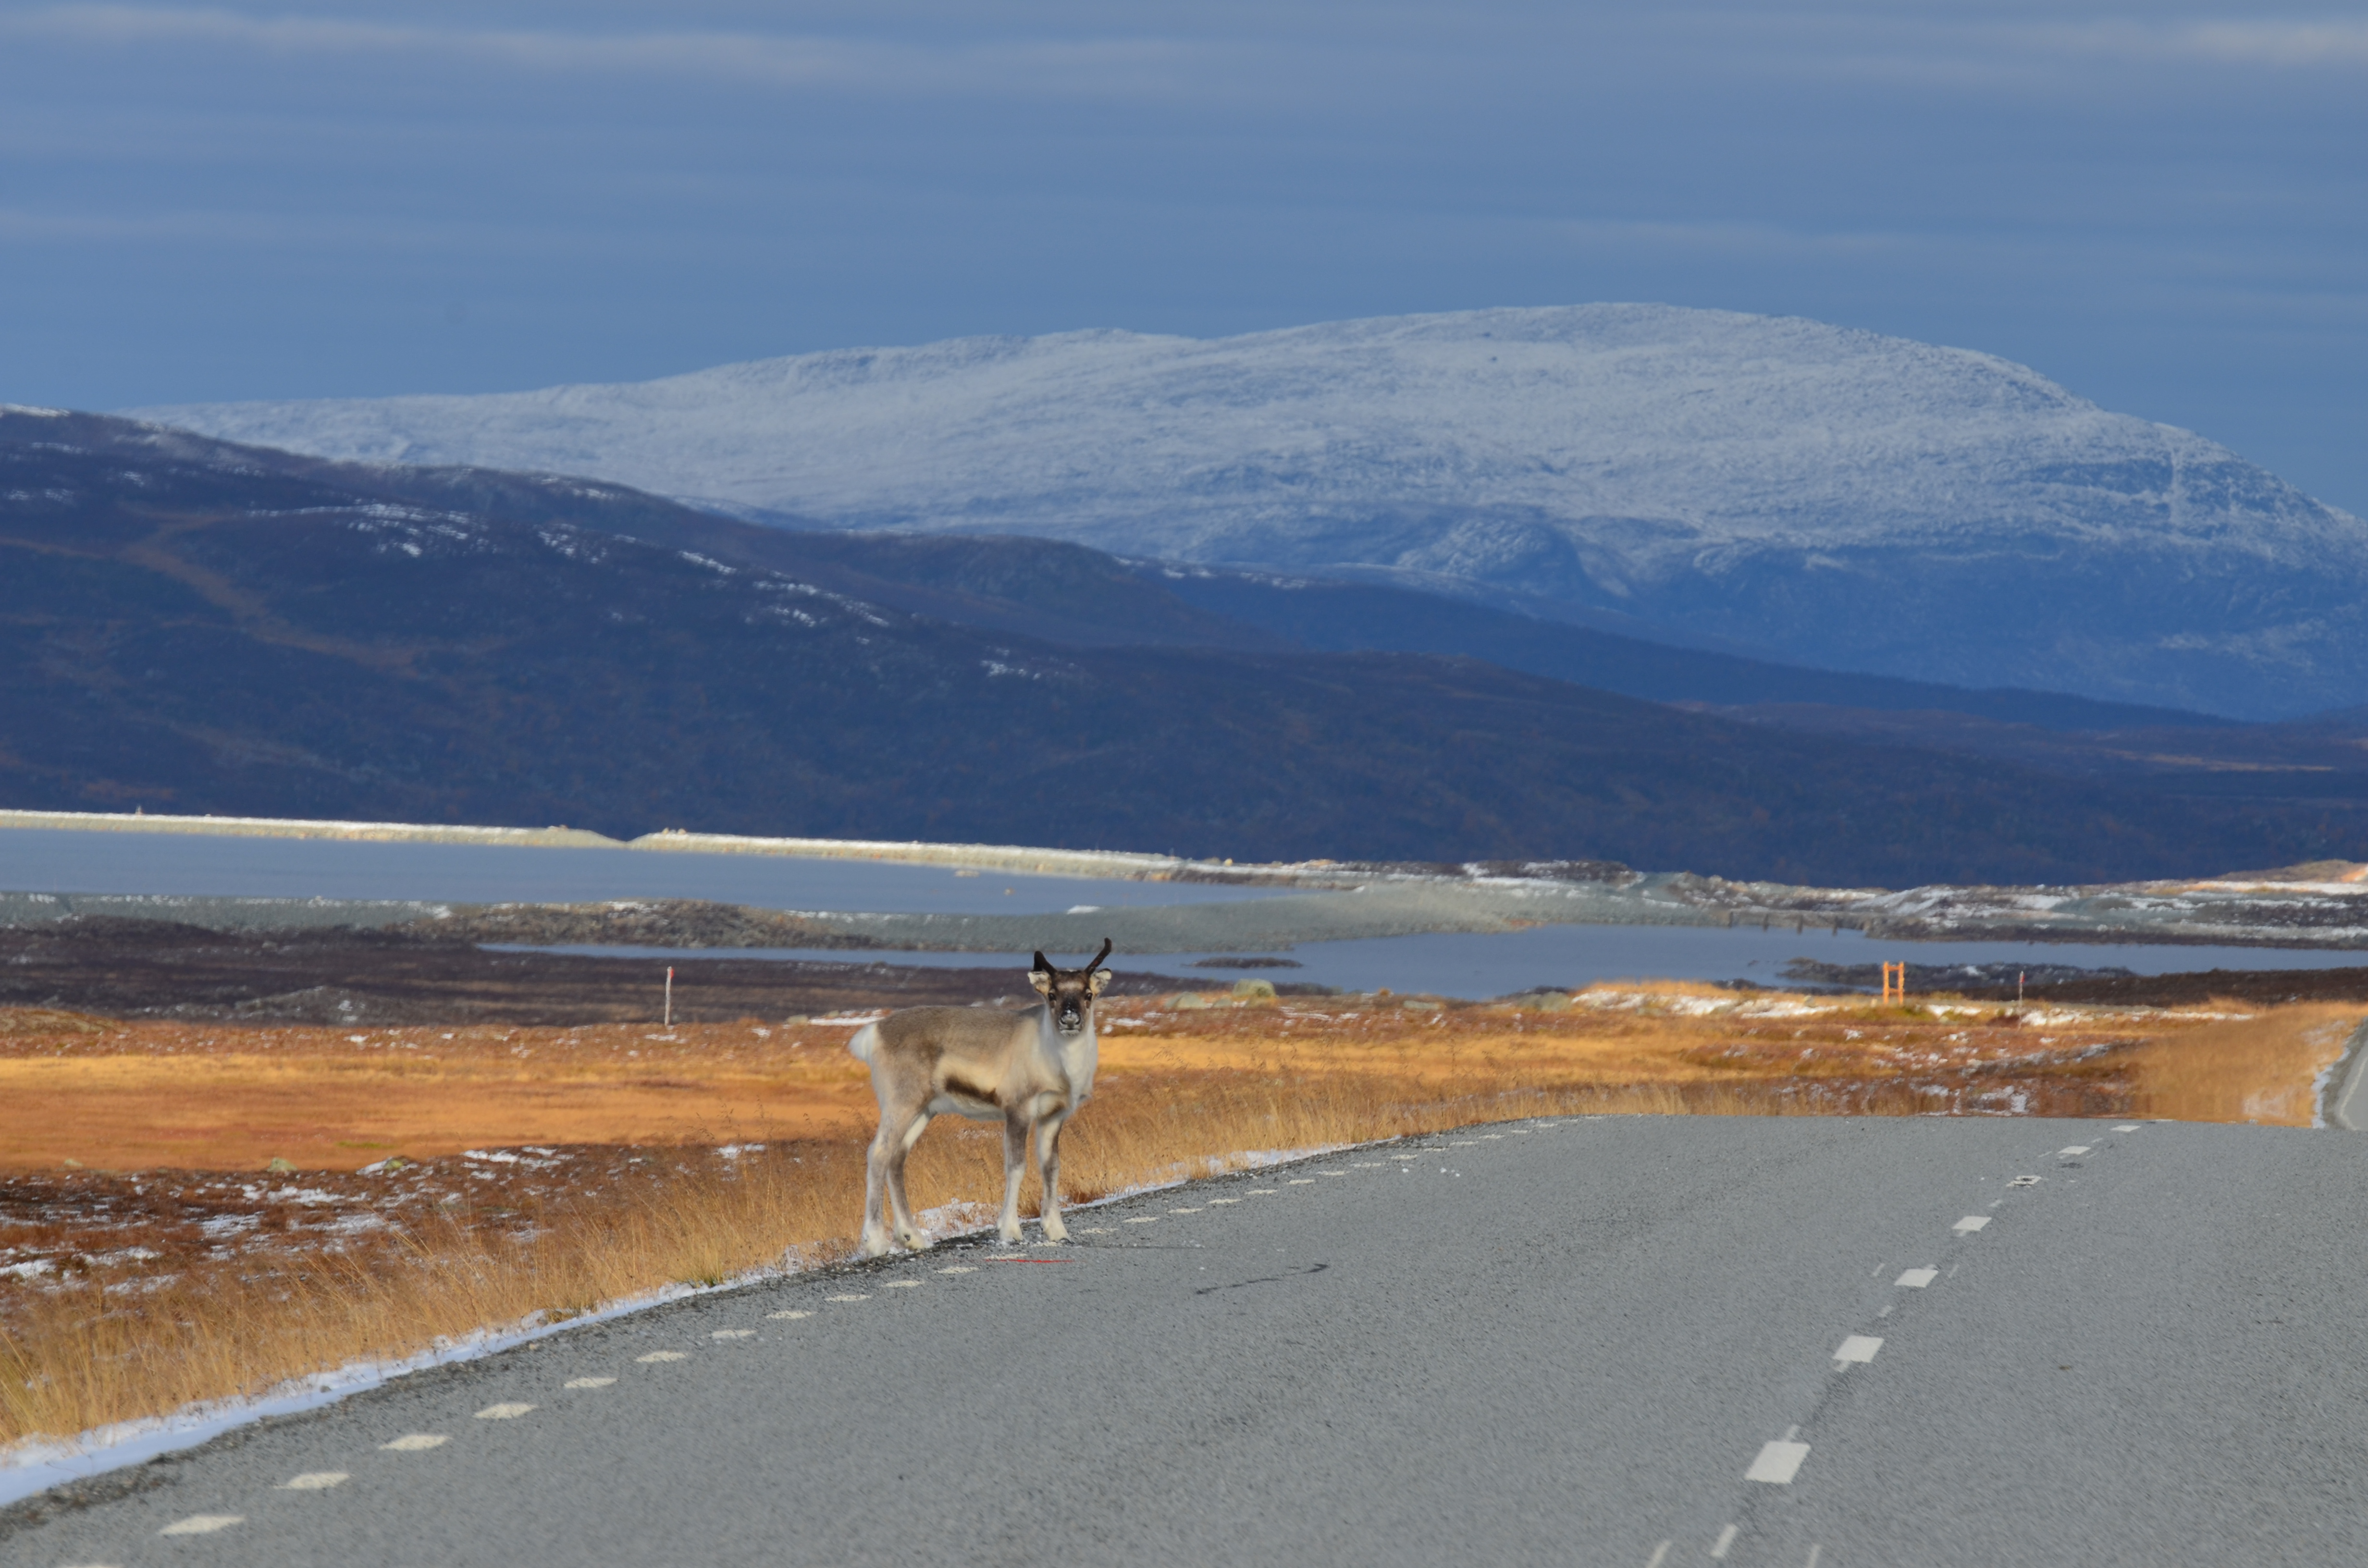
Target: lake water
1453, 964
1474, 966
203, 865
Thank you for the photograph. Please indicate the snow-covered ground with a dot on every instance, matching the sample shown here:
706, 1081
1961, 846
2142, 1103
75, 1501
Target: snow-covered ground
1826, 494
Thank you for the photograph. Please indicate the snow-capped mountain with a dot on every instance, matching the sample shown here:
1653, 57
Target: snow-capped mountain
1825, 495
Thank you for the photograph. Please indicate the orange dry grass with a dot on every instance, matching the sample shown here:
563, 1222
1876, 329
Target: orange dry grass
133, 1097
1181, 1094
2259, 1069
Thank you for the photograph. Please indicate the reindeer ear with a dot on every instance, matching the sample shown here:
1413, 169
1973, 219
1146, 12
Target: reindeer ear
1041, 977
1101, 978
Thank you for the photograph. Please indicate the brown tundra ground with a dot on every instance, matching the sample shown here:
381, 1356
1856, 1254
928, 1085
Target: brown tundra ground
190, 1211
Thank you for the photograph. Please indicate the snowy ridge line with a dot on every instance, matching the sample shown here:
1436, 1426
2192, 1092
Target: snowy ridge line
1814, 493
33, 1465
1014, 858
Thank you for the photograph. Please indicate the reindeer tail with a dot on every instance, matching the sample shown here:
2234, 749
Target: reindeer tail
865, 1041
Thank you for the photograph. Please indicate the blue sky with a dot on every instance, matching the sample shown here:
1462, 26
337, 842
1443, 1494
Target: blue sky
2163, 206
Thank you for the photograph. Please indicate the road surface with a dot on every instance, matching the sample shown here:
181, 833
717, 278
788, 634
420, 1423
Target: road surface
1819, 1342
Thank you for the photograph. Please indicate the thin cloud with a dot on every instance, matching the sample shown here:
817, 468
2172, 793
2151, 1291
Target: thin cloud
1088, 66
2343, 44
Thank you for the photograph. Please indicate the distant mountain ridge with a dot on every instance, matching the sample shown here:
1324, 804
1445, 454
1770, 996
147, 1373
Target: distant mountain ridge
1813, 494
192, 626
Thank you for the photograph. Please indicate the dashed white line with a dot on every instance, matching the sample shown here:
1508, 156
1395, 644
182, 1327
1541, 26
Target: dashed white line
1725, 1539
503, 1412
955, 1269
1301, 1181
1264, 1191
794, 1314
1405, 1156
1089, 1231
1916, 1278
1183, 1210
2025, 1181
1778, 1463
901, 1285
589, 1383
315, 1480
733, 1333
1815, 1551
1661, 1554
847, 1298
663, 1356
1215, 1202
1970, 1223
203, 1523
418, 1442
1332, 1173
2073, 1149
1144, 1219
2128, 1127
1858, 1348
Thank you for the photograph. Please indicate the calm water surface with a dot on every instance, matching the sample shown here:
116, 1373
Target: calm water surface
1467, 965
201, 865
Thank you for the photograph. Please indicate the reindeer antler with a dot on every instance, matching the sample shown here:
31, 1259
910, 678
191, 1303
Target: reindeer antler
1097, 958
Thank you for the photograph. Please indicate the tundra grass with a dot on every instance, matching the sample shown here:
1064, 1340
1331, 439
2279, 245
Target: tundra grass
1187, 1092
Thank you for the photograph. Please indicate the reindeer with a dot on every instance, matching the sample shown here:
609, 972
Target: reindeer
1031, 1069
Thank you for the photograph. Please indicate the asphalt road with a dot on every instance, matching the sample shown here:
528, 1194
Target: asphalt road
1605, 1341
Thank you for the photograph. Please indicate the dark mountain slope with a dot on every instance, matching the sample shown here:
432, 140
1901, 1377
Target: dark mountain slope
201, 628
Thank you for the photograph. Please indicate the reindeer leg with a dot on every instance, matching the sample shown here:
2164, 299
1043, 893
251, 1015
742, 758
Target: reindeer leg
1048, 1174
875, 1183
907, 1232
1015, 1166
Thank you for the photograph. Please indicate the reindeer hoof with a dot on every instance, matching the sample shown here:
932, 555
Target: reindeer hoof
874, 1244
1009, 1234
1054, 1231
915, 1240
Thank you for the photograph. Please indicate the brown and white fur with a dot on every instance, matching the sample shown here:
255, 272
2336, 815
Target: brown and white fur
1031, 1070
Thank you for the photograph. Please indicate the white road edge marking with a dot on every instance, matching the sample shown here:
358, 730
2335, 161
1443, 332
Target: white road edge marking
315, 1480
1725, 1539
203, 1523
589, 1383
1858, 1348
509, 1412
1778, 1463
418, 1442
662, 1355
1970, 1223
793, 1315
2067, 1152
1916, 1278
